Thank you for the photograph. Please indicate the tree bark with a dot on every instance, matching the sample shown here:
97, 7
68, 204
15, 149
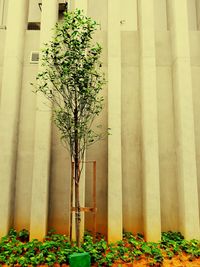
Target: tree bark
77, 212
77, 197
71, 199
77, 176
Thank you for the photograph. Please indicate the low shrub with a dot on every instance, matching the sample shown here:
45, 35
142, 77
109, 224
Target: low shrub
15, 248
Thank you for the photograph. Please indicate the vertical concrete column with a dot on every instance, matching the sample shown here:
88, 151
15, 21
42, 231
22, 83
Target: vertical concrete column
198, 13
184, 120
9, 107
82, 5
150, 154
1, 12
114, 122
40, 183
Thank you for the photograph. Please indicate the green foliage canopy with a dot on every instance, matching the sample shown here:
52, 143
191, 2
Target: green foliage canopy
71, 79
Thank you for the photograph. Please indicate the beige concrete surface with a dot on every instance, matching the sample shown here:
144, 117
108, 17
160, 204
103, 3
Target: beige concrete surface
149, 121
195, 62
197, 14
114, 122
167, 151
25, 151
34, 11
101, 157
128, 15
9, 108
165, 58
59, 187
98, 10
2, 46
160, 15
184, 122
196, 99
42, 138
79, 4
192, 14
3, 13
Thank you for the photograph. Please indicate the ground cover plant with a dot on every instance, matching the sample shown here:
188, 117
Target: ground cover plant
16, 249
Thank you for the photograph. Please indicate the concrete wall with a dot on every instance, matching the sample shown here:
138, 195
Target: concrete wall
132, 160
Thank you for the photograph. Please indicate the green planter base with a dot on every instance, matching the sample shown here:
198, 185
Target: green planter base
80, 260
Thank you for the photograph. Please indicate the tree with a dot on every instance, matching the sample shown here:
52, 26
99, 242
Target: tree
72, 80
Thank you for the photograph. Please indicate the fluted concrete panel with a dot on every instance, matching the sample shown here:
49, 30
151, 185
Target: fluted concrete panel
149, 121
114, 122
160, 17
167, 150
101, 157
151, 58
196, 99
192, 14
2, 46
98, 11
77, 4
128, 17
9, 108
3, 13
184, 121
41, 161
198, 14
59, 187
26, 136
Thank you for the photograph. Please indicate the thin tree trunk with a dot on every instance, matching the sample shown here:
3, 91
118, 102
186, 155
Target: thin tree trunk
77, 174
77, 197
71, 199
77, 218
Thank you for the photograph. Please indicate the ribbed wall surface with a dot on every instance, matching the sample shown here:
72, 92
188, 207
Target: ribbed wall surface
152, 49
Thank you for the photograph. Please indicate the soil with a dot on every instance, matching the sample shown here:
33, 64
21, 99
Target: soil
179, 261
175, 262
182, 260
